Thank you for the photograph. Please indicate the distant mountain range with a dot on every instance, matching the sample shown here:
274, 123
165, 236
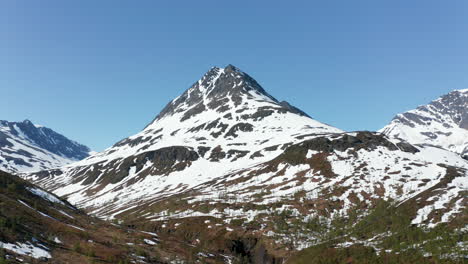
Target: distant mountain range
26, 147
237, 175
442, 123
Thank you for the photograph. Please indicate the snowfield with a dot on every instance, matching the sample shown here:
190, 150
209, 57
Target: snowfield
27, 249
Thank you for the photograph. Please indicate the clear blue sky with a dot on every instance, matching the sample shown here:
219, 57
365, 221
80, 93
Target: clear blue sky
99, 71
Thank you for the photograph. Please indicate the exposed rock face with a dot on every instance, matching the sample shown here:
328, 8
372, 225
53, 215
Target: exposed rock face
27, 147
346, 143
361, 140
442, 123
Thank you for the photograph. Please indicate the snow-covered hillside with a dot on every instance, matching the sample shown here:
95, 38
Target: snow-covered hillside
442, 123
335, 172
224, 122
25, 147
297, 198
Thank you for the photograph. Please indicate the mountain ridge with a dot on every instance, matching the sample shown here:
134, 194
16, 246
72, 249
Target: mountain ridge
25, 146
443, 123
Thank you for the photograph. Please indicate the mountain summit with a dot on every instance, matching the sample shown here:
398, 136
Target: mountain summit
220, 89
225, 121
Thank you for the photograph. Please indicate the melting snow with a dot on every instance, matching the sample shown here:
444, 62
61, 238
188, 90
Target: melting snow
47, 196
27, 249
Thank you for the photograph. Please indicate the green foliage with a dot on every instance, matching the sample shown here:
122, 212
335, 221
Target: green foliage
316, 225
2, 257
90, 252
242, 260
237, 222
10, 224
255, 224
141, 252
77, 248
326, 254
405, 243
204, 208
12, 187
281, 220
384, 217
3, 223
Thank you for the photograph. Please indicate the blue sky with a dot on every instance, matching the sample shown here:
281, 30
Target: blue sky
99, 71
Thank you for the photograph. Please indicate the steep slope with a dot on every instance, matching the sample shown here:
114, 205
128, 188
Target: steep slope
38, 227
224, 122
442, 123
27, 147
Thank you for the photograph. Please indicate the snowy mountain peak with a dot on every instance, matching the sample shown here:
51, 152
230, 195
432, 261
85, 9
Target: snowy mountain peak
217, 89
443, 123
224, 122
231, 67
25, 146
464, 91
223, 104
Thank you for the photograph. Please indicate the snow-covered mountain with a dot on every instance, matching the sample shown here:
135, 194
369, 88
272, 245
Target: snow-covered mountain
227, 126
334, 173
226, 160
442, 122
224, 122
25, 147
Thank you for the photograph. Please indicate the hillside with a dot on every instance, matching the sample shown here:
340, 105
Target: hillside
38, 227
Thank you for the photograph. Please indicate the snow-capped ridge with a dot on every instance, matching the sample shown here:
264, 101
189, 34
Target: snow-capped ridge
217, 86
443, 123
25, 146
